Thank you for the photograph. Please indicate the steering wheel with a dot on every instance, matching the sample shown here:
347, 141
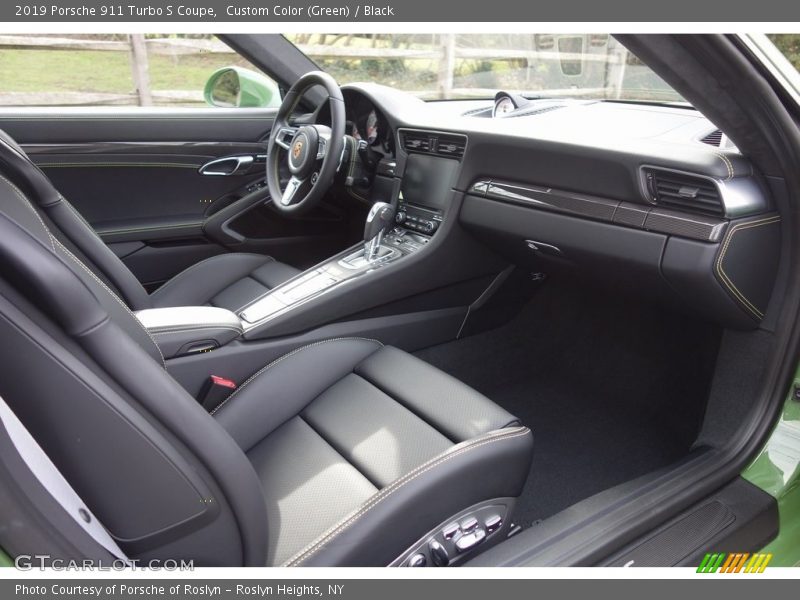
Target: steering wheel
314, 152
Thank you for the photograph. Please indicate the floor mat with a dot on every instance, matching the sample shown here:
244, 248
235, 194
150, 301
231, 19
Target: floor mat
612, 388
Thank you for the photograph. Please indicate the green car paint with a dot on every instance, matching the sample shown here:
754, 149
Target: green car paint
235, 87
5, 559
776, 470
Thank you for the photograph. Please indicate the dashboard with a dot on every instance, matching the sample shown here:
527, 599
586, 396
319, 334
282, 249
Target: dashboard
650, 196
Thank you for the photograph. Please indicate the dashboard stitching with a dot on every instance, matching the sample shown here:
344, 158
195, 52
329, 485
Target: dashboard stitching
728, 164
721, 271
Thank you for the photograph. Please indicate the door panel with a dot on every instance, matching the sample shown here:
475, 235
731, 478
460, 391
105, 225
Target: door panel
112, 187
134, 174
83, 125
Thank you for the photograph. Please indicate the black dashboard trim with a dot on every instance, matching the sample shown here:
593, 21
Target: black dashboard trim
657, 220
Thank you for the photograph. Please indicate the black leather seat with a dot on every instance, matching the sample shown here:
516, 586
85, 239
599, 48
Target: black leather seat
361, 449
344, 452
229, 281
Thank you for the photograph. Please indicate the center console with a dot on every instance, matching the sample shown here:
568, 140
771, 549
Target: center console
341, 270
392, 232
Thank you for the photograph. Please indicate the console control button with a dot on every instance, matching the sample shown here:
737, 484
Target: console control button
493, 523
439, 554
470, 540
418, 560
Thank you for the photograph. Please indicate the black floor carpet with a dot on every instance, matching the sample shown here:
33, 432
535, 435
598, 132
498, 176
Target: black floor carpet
611, 387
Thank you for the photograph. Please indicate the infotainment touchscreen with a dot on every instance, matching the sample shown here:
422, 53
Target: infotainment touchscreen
427, 180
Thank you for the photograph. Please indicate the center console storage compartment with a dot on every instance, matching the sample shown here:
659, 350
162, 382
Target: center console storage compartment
185, 330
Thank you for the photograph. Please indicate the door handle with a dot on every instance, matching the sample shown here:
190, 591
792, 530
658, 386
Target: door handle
230, 165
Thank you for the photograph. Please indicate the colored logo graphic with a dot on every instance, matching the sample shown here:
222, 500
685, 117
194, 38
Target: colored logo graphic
734, 563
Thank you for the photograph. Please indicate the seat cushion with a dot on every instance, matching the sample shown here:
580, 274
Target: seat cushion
348, 431
229, 281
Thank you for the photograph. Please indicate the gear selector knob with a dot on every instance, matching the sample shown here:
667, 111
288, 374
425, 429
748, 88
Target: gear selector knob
380, 216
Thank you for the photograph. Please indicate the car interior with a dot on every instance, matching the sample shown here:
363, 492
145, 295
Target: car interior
367, 330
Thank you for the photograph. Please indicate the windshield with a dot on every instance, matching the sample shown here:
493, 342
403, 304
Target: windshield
454, 66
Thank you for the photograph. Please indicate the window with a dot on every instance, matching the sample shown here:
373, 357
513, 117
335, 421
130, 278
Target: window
443, 66
116, 70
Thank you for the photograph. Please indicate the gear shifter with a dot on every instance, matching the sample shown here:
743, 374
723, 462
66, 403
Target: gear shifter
380, 216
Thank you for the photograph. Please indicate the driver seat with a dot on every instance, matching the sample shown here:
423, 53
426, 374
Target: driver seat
230, 281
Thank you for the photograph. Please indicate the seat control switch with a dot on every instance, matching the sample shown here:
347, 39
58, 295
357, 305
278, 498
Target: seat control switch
493, 523
469, 524
450, 530
468, 541
439, 554
418, 560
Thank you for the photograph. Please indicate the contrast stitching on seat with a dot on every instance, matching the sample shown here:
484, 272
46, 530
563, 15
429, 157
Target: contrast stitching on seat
344, 524
113, 295
27, 202
726, 280
180, 276
284, 357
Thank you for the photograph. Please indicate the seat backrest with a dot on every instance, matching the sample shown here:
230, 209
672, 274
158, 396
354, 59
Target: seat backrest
162, 475
68, 226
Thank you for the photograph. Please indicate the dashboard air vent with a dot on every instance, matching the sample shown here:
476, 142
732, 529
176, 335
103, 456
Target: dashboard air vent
713, 139
690, 193
416, 141
449, 145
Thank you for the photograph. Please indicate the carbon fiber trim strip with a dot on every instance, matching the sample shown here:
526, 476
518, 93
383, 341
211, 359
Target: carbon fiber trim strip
670, 222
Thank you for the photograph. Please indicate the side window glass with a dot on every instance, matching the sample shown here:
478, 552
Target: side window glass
159, 70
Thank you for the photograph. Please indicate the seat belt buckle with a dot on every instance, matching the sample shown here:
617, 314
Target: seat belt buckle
215, 390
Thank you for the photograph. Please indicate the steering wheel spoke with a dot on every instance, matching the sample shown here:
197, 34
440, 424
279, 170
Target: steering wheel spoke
285, 136
291, 191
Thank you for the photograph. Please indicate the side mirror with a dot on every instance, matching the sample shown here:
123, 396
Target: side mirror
235, 87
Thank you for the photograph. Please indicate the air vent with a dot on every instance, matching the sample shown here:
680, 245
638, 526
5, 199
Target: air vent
416, 141
685, 192
449, 145
713, 139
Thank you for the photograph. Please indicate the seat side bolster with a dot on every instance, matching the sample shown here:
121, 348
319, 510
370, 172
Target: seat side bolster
81, 234
287, 385
444, 485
